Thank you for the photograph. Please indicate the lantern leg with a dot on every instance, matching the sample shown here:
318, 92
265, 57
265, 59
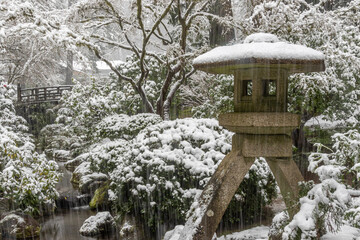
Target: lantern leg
206, 213
287, 176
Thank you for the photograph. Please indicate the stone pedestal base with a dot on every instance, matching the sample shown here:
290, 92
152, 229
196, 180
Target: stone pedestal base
275, 146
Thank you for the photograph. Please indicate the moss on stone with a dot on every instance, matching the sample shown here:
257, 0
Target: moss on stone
29, 232
101, 196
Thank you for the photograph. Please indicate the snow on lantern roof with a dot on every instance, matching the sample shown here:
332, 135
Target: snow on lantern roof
261, 37
261, 50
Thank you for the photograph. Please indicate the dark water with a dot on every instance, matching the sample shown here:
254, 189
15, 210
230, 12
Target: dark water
65, 224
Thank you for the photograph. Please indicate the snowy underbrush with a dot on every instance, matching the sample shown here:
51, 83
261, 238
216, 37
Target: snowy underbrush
89, 114
81, 109
327, 206
155, 167
166, 167
27, 178
157, 174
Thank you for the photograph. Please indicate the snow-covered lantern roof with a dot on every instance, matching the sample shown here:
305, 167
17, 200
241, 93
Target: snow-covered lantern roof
261, 66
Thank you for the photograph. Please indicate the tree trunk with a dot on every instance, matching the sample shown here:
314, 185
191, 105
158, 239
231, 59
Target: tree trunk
69, 68
69, 58
219, 34
303, 149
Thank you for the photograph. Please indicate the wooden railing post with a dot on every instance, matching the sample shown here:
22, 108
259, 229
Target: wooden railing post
36, 94
19, 92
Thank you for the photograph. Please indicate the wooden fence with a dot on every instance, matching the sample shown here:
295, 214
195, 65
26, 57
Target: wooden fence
40, 94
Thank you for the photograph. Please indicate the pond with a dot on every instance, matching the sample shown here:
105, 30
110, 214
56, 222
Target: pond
64, 224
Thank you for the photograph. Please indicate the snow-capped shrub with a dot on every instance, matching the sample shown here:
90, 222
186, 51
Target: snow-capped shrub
169, 163
278, 224
124, 126
344, 159
104, 156
326, 205
111, 137
27, 178
82, 109
86, 105
322, 210
352, 215
166, 166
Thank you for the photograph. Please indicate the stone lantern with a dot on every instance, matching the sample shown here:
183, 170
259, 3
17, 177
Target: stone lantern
261, 67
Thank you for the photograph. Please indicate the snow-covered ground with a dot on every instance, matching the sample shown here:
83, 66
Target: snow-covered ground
261, 233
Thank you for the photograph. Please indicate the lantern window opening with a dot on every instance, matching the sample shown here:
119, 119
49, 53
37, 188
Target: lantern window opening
247, 87
269, 87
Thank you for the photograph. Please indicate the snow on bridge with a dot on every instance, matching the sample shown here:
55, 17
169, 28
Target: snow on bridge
41, 94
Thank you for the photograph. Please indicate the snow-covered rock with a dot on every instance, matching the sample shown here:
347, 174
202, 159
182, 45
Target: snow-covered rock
101, 223
19, 226
82, 170
89, 183
87, 180
74, 163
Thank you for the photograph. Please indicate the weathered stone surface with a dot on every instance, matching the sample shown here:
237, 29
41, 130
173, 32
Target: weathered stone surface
80, 171
216, 196
86, 180
259, 98
287, 176
267, 146
72, 164
100, 198
260, 123
208, 211
19, 226
101, 223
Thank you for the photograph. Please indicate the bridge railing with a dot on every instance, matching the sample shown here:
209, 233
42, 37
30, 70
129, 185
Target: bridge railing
41, 94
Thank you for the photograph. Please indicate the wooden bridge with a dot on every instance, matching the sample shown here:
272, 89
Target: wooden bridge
41, 94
